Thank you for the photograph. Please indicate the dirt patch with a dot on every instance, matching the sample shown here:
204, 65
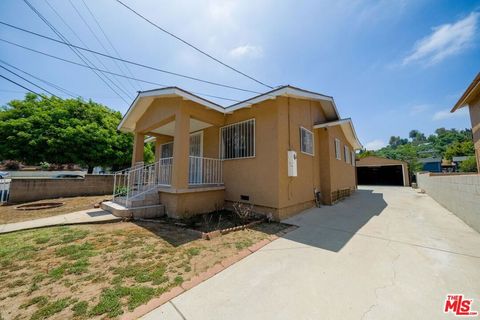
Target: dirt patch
8, 213
98, 271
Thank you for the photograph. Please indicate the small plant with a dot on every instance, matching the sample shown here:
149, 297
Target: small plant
121, 191
243, 211
44, 165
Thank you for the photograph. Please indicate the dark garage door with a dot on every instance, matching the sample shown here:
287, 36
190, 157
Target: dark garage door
384, 175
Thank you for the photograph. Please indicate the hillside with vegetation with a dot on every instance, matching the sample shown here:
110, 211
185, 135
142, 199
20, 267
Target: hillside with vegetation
444, 143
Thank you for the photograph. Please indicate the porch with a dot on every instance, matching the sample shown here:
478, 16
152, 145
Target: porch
186, 163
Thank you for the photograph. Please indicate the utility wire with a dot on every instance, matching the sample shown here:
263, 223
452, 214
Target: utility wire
192, 46
81, 41
111, 44
123, 88
128, 61
105, 71
18, 84
24, 79
67, 92
66, 42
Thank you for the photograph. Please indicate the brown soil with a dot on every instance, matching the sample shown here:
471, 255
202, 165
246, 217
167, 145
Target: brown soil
108, 268
8, 213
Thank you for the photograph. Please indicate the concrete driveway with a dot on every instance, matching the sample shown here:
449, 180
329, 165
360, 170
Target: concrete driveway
384, 253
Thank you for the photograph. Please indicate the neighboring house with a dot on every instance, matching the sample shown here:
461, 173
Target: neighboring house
274, 151
431, 164
382, 171
457, 161
471, 99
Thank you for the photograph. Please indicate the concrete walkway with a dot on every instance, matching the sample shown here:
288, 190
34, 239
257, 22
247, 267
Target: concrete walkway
79, 217
384, 253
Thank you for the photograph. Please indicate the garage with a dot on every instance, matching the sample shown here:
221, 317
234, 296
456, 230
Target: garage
381, 171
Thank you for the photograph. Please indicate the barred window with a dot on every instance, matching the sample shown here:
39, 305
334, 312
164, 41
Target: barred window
338, 153
347, 154
166, 150
238, 140
306, 141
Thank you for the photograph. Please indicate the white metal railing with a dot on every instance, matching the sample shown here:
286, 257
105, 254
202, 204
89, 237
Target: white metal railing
134, 181
4, 190
205, 171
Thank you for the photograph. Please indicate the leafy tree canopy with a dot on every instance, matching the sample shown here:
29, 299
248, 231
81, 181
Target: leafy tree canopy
49, 129
445, 143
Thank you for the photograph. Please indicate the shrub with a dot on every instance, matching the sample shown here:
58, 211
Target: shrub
469, 165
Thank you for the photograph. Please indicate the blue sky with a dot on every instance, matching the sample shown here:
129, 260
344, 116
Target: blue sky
391, 66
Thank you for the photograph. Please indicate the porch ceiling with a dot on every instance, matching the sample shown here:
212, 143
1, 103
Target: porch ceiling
169, 128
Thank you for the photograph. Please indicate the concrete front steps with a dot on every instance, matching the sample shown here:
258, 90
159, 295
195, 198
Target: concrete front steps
145, 206
146, 212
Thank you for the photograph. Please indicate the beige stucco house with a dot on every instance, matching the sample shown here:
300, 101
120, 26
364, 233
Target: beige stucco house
471, 99
276, 151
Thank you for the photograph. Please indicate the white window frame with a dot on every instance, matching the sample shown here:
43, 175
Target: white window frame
346, 153
338, 152
353, 157
301, 141
220, 147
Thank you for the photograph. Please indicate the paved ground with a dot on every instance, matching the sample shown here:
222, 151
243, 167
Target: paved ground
79, 217
384, 253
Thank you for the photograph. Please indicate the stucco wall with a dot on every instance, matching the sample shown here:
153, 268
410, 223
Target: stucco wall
342, 174
458, 193
256, 177
475, 120
24, 190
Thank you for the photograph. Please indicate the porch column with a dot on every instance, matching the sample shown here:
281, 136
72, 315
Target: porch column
181, 145
138, 146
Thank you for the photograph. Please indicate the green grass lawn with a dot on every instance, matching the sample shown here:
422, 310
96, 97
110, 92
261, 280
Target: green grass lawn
98, 271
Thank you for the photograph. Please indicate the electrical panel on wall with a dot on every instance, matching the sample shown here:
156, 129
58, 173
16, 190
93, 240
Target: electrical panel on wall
292, 164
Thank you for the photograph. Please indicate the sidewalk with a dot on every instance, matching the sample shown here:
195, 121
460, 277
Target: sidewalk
79, 217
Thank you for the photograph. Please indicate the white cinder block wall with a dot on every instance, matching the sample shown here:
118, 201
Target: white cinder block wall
458, 193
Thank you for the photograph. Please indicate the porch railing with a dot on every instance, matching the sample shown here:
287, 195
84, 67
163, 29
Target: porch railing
135, 181
205, 171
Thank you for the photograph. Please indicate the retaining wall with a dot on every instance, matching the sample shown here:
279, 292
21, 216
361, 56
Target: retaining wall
459, 193
24, 190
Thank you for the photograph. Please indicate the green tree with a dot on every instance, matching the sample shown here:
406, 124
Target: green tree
459, 148
49, 129
469, 165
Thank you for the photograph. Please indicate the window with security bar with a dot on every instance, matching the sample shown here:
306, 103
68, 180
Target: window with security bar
238, 140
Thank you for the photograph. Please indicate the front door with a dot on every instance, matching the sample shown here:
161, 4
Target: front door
196, 161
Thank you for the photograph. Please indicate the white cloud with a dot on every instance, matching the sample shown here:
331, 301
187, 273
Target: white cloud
375, 144
419, 108
246, 51
446, 114
445, 40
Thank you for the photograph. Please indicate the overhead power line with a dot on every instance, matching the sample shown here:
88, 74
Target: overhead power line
128, 61
193, 46
106, 71
18, 84
123, 88
109, 42
67, 92
76, 52
24, 79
